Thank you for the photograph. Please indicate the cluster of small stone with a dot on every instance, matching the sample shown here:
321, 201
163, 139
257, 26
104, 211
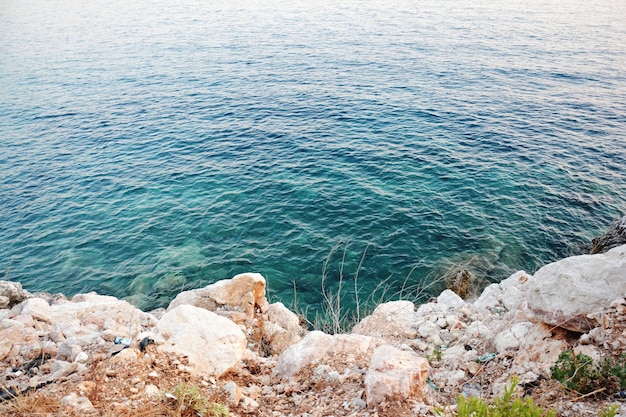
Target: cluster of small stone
402, 359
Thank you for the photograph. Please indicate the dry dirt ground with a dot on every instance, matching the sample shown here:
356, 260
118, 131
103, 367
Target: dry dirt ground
137, 385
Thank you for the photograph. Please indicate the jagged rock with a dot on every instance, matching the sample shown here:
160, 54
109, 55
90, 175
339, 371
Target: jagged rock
395, 318
459, 282
19, 341
449, 300
538, 350
61, 369
458, 357
568, 292
101, 313
25, 319
6, 323
81, 357
212, 343
430, 332
395, 374
318, 347
241, 294
282, 327
68, 351
509, 294
512, 338
78, 403
234, 392
38, 309
152, 391
614, 237
11, 293
249, 405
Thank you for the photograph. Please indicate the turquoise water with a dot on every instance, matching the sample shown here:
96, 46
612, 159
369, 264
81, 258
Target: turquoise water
158, 146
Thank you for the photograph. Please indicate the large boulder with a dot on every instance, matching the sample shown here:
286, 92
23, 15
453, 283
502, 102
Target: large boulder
395, 375
319, 347
394, 319
37, 308
615, 236
507, 295
11, 293
236, 298
99, 313
568, 293
282, 327
212, 343
19, 341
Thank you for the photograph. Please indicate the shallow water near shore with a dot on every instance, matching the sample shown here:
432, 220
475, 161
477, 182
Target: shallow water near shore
159, 146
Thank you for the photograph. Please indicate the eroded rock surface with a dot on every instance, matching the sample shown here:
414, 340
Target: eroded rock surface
614, 236
395, 375
569, 293
212, 343
236, 298
11, 293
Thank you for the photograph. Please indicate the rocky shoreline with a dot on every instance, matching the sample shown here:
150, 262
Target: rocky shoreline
97, 355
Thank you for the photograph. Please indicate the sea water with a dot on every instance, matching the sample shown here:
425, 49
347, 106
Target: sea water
153, 146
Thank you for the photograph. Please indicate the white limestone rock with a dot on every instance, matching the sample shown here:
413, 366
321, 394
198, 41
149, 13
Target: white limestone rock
454, 355
426, 309
450, 300
489, 298
68, 351
395, 375
19, 341
392, 319
60, 369
319, 347
212, 343
88, 313
282, 327
512, 338
234, 392
6, 323
478, 330
592, 351
430, 332
78, 403
243, 293
538, 349
509, 295
81, 357
568, 293
37, 308
11, 293
514, 291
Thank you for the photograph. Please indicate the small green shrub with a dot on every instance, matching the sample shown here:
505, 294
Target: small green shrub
609, 411
616, 368
580, 373
435, 356
505, 406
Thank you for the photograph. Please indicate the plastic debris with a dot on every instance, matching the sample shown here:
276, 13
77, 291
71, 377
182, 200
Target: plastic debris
486, 358
471, 390
122, 341
431, 384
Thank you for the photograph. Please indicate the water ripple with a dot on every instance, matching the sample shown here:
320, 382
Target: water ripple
152, 147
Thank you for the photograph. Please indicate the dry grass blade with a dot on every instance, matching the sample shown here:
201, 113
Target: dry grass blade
31, 404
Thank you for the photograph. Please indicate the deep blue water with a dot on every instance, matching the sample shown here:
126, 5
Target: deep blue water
152, 146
